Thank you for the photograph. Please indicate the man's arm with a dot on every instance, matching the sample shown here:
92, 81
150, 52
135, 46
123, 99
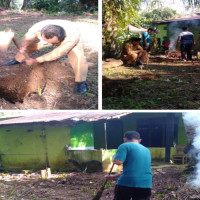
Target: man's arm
111, 177
65, 47
26, 40
117, 162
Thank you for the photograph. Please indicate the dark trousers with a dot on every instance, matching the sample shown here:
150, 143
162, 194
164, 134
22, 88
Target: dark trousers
186, 48
128, 193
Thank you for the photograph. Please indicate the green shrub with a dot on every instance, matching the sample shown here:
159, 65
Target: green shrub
45, 5
68, 6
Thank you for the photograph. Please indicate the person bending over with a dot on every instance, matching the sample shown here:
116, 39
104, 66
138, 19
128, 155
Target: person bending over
66, 37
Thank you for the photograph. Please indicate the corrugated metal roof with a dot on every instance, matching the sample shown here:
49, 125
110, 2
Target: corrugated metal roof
49, 116
196, 17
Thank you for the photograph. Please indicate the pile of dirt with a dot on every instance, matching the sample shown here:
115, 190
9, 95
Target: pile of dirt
48, 85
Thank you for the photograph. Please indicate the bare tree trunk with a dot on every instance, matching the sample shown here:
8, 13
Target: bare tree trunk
25, 4
7, 4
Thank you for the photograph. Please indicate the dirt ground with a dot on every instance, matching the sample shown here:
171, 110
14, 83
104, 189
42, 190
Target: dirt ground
169, 183
163, 84
48, 85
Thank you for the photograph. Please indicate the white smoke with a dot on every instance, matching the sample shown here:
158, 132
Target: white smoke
193, 119
174, 33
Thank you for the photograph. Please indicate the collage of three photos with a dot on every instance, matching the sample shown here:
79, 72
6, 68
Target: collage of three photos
99, 100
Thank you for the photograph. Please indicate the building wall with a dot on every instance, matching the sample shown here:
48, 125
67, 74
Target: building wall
99, 134
82, 136
129, 123
162, 31
175, 28
28, 147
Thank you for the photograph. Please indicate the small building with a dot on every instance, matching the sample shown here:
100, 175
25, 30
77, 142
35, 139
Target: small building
173, 27
69, 141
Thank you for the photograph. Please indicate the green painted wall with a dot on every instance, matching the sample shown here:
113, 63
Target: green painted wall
182, 136
158, 154
99, 134
57, 138
162, 31
33, 148
82, 135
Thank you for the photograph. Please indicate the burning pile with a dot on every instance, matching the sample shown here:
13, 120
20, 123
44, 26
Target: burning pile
173, 54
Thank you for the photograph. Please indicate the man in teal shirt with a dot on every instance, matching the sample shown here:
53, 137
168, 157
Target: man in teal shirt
147, 39
136, 180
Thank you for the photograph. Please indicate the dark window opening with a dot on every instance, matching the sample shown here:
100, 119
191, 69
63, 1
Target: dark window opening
153, 131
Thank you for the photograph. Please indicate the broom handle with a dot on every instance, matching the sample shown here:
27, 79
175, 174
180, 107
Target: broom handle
109, 175
18, 47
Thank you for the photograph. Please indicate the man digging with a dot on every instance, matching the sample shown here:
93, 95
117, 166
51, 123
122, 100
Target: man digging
66, 37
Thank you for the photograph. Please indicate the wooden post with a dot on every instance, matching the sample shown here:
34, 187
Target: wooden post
169, 135
46, 173
105, 135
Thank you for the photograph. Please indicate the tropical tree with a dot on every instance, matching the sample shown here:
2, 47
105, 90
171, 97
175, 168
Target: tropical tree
192, 3
152, 4
116, 16
160, 14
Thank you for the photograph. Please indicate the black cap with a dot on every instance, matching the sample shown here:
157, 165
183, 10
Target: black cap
132, 135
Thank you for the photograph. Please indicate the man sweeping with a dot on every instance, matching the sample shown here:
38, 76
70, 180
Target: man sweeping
135, 182
66, 37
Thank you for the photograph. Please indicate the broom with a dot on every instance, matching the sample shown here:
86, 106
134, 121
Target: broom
99, 193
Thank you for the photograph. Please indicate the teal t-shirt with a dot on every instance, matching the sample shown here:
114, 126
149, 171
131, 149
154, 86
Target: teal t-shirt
147, 37
136, 165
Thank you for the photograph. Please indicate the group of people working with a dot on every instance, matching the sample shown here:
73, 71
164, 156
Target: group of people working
134, 54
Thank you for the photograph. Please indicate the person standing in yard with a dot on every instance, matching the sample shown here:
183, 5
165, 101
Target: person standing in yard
186, 41
147, 39
65, 36
133, 53
136, 179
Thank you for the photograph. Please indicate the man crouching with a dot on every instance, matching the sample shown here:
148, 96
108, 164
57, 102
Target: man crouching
133, 53
63, 34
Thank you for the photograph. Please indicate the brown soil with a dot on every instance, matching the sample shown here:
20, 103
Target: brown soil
168, 183
48, 85
163, 84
